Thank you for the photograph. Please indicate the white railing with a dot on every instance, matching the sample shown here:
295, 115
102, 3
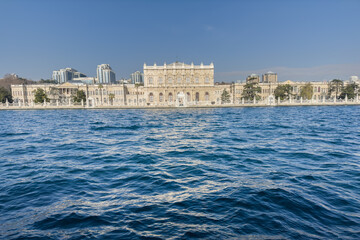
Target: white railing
242, 102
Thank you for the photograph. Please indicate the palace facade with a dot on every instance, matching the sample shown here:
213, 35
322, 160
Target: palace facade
176, 84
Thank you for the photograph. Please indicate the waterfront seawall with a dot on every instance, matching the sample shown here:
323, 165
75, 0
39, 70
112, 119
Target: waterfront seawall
14, 106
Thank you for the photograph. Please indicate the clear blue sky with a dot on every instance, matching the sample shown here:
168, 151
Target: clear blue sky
301, 40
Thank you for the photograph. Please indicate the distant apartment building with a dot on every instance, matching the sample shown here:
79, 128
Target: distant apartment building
269, 77
253, 78
354, 79
105, 75
137, 77
66, 74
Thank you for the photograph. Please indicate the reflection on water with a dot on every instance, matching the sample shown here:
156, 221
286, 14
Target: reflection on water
261, 173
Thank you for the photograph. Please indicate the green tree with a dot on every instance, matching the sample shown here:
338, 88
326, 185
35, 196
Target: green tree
79, 95
225, 96
307, 91
251, 91
111, 98
336, 86
40, 96
350, 90
101, 92
283, 91
47, 81
5, 94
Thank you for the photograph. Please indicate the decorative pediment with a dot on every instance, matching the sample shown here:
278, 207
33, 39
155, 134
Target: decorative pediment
288, 82
67, 84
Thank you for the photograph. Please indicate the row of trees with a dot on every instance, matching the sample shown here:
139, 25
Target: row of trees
252, 91
284, 92
40, 96
337, 86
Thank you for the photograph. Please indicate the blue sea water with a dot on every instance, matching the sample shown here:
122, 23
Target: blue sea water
222, 173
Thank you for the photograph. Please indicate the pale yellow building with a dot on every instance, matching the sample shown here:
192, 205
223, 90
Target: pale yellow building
269, 77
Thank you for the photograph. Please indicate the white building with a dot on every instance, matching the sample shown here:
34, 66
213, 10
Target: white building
66, 74
137, 77
105, 75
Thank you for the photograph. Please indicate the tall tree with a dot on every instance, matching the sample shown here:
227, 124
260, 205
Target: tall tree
40, 96
251, 91
101, 92
225, 96
350, 90
79, 95
5, 94
307, 91
283, 91
111, 98
336, 86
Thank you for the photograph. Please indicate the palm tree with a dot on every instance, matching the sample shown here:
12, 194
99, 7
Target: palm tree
336, 86
111, 98
101, 93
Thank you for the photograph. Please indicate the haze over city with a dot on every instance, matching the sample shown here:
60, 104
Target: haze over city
291, 38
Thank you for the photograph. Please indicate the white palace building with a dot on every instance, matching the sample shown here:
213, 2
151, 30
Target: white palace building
175, 84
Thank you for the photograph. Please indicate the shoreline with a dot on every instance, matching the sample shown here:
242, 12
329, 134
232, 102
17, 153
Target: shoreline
174, 107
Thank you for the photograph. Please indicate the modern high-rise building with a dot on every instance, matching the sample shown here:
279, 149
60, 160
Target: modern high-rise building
66, 74
105, 74
137, 77
269, 77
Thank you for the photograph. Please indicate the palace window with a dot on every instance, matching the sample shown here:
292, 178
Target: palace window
197, 97
170, 97
161, 97
188, 97
170, 80
151, 80
179, 80
206, 96
151, 97
160, 80
187, 80
207, 80
196, 80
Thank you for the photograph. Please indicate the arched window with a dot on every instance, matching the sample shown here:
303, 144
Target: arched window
179, 80
151, 80
96, 92
161, 97
207, 80
170, 80
104, 91
160, 80
188, 97
197, 80
151, 97
206, 96
187, 80
197, 97
170, 97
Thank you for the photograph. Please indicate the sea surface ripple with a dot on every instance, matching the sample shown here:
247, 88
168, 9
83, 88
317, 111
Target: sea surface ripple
222, 173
